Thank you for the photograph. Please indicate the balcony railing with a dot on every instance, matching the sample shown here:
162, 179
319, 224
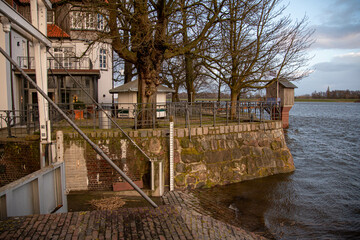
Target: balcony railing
72, 63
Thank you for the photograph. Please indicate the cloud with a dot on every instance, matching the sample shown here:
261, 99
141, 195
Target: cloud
345, 62
340, 26
343, 37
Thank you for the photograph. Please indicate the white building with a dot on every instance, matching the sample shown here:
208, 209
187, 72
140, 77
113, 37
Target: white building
127, 99
73, 33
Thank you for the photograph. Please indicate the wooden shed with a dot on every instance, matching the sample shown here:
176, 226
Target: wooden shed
127, 98
285, 91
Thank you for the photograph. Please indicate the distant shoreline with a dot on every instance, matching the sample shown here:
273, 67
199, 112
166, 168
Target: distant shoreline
325, 100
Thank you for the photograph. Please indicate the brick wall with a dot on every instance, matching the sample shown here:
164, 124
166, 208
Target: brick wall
18, 158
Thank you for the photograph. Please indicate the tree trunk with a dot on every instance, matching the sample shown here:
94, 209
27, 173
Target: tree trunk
148, 73
127, 65
175, 95
233, 97
189, 77
219, 91
127, 72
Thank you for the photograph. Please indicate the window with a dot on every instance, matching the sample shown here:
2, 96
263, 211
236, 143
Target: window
50, 17
100, 22
103, 63
76, 20
89, 21
63, 55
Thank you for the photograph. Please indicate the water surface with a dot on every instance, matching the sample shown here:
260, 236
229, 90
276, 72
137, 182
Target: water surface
321, 199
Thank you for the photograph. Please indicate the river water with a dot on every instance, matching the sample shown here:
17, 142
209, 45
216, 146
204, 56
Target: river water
321, 199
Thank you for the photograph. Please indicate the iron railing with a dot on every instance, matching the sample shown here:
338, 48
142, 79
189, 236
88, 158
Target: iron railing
83, 63
127, 115
19, 123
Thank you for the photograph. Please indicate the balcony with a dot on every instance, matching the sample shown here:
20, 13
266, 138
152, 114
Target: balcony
71, 63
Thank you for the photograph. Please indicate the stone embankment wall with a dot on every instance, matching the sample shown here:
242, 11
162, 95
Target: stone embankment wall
206, 157
230, 154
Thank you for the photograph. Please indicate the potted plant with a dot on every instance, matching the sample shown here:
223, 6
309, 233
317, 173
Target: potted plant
79, 107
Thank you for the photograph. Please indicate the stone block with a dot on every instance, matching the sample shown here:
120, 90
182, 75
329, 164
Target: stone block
198, 167
186, 132
199, 131
236, 128
136, 134
205, 130
193, 131
222, 129
180, 133
143, 133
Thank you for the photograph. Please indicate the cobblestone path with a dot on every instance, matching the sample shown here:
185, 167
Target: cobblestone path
180, 218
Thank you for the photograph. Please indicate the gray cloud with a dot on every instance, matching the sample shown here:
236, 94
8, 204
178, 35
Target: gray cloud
340, 27
348, 62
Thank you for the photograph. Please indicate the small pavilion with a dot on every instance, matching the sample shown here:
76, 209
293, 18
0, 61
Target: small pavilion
282, 90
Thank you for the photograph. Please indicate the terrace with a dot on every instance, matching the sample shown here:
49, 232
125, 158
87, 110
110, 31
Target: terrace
183, 114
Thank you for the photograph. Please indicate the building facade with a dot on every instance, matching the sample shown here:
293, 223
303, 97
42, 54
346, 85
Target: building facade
76, 46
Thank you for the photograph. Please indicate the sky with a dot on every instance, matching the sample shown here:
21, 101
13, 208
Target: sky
336, 51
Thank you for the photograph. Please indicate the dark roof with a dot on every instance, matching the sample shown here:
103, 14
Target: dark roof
133, 87
54, 31
283, 82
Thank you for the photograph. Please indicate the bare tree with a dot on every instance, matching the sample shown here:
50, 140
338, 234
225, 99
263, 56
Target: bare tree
152, 39
254, 40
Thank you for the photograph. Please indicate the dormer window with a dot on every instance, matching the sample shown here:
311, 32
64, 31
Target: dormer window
89, 21
76, 20
100, 22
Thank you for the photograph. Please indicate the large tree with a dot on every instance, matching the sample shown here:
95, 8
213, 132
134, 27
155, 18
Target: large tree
255, 40
154, 38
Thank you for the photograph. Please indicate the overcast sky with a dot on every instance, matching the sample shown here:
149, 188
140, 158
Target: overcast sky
336, 52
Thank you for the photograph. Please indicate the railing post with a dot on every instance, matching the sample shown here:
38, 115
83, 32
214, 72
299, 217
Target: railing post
186, 115
214, 114
28, 120
8, 122
154, 114
238, 111
201, 114
227, 113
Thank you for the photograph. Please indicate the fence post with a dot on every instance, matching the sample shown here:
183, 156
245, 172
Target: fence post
28, 120
8, 122
238, 111
214, 114
201, 114
186, 115
227, 114
154, 114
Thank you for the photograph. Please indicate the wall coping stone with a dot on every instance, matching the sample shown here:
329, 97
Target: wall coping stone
184, 132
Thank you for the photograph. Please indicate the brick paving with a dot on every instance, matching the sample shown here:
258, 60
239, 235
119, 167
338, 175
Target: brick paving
180, 218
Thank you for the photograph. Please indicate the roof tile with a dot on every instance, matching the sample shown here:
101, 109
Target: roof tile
56, 32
